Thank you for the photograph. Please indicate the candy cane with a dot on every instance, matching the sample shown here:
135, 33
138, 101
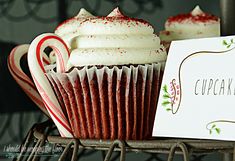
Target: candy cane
38, 73
21, 78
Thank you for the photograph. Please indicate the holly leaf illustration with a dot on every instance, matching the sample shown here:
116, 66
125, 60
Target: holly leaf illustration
231, 40
229, 46
213, 126
165, 103
218, 130
166, 96
168, 109
210, 131
225, 42
165, 88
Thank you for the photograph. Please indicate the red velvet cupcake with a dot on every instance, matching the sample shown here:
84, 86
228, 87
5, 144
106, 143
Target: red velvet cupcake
111, 88
196, 24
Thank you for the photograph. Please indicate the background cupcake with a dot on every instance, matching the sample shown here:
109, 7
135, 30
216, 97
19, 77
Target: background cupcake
196, 24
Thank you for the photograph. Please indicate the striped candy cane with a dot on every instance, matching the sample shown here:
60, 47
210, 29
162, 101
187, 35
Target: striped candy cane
21, 78
38, 73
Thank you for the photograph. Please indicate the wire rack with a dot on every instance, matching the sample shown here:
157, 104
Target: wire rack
42, 133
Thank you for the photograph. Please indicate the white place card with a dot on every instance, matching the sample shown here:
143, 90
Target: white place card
197, 97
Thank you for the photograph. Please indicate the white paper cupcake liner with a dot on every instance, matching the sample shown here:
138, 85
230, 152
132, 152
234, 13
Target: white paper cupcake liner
110, 102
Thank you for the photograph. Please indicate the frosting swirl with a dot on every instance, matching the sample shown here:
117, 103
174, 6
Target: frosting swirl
197, 12
68, 29
196, 24
115, 40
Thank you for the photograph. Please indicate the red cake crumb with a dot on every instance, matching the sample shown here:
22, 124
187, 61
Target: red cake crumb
166, 32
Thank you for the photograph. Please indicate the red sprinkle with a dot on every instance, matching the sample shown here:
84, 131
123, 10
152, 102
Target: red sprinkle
123, 19
198, 18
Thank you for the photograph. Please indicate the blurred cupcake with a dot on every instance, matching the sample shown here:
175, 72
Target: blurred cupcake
115, 70
196, 24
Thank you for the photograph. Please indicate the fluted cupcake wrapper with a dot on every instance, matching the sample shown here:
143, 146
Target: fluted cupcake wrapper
109, 102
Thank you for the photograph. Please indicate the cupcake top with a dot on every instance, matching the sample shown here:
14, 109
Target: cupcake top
196, 24
115, 40
68, 29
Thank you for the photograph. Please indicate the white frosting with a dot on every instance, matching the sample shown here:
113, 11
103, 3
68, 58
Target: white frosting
115, 40
197, 11
187, 28
115, 23
69, 29
115, 56
189, 31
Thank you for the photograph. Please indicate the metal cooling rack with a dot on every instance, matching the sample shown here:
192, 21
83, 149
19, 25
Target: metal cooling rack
42, 134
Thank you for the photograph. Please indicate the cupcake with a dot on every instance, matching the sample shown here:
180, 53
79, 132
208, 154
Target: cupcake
196, 24
114, 72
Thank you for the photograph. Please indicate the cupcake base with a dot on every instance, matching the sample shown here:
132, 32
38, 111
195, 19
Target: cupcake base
109, 102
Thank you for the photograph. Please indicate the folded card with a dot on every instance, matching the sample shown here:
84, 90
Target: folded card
197, 97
